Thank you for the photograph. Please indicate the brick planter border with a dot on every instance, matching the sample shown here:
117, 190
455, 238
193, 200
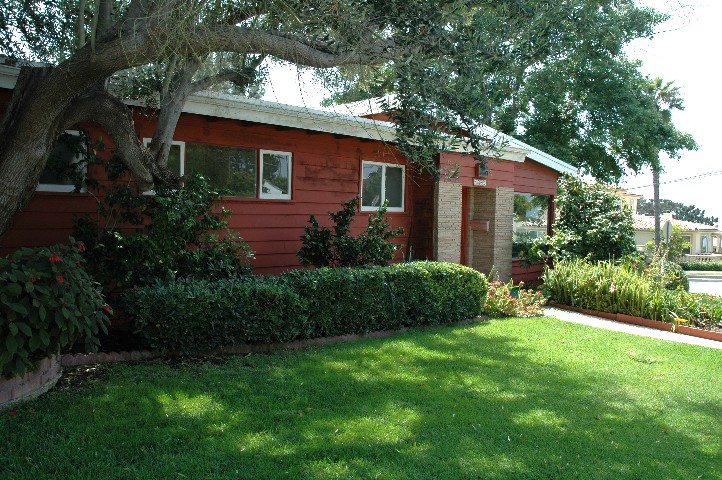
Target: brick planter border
32, 384
79, 359
645, 322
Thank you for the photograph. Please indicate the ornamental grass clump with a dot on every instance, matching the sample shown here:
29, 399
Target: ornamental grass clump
617, 288
47, 302
507, 300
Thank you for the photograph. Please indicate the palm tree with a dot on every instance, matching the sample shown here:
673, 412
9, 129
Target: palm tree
666, 97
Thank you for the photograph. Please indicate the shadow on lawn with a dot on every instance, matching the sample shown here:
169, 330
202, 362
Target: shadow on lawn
454, 403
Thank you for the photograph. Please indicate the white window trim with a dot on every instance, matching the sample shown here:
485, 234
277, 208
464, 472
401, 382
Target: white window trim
146, 142
54, 187
270, 196
383, 186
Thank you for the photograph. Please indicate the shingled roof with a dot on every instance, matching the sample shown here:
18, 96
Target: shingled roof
646, 222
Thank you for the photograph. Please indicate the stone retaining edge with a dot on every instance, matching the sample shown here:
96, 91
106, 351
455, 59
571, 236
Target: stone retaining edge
80, 359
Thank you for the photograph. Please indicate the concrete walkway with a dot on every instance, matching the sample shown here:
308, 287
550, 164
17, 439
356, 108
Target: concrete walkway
597, 322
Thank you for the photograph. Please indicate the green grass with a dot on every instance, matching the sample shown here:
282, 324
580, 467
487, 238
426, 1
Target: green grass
515, 398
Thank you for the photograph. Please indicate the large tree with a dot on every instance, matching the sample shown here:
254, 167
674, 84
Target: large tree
452, 61
576, 96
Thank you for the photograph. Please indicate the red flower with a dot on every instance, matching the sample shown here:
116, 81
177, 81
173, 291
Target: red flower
54, 258
60, 279
12, 413
33, 279
106, 308
81, 247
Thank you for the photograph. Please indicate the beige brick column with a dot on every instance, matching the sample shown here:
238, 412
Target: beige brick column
447, 222
493, 248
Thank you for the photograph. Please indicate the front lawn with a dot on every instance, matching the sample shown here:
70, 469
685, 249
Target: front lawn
513, 398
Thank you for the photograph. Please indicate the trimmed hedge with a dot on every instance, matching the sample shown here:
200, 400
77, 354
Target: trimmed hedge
190, 316
194, 315
702, 266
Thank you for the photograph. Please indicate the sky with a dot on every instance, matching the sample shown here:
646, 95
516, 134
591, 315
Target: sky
685, 50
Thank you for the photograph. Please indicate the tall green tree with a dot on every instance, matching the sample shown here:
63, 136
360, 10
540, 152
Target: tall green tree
665, 138
576, 96
452, 62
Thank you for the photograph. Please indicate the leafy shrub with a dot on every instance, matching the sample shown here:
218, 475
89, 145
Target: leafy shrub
190, 315
174, 237
674, 250
194, 315
607, 287
507, 300
322, 247
47, 302
427, 293
343, 300
669, 275
591, 222
702, 266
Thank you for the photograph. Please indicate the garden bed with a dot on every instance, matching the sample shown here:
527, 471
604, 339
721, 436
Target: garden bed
712, 334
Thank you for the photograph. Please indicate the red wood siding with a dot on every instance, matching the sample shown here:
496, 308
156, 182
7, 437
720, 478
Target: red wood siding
528, 176
529, 275
326, 172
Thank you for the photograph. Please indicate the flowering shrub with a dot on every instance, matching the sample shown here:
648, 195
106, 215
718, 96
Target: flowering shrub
506, 300
632, 290
699, 310
47, 302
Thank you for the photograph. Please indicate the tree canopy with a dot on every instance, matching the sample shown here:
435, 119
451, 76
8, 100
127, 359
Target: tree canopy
454, 63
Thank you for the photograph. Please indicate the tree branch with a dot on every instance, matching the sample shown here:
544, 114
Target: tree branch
116, 119
224, 38
242, 79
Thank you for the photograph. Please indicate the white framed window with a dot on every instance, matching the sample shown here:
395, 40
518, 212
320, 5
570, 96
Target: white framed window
176, 155
275, 174
382, 182
67, 153
240, 172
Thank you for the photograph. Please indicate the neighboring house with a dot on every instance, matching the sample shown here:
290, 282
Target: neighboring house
282, 163
704, 239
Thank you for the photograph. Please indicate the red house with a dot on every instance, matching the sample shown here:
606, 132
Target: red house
283, 163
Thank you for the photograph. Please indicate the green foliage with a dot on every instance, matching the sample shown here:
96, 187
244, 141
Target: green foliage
560, 81
627, 288
700, 310
688, 213
174, 236
190, 315
322, 247
676, 247
507, 300
591, 222
47, 302
194, 315
666, 273
702, 266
